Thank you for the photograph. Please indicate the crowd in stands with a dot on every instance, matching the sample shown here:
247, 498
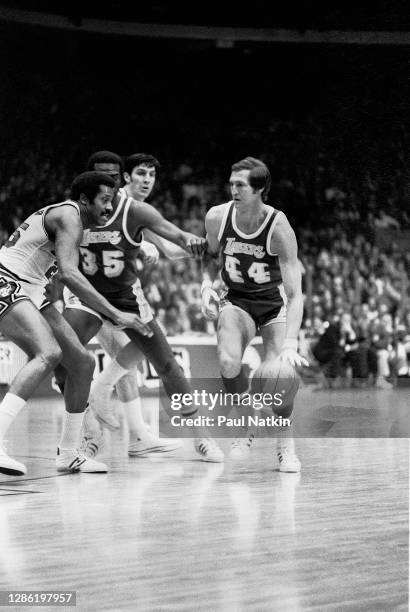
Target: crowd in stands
356, 284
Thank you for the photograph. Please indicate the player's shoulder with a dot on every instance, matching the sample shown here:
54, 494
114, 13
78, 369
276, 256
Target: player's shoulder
63, 206
282, 236
66, 217
217, 212
68, 209
219, 209
280, 221
138, 207
136, 211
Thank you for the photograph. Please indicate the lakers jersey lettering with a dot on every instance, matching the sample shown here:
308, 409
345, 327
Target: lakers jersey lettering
249, 267
233, 246
90, 237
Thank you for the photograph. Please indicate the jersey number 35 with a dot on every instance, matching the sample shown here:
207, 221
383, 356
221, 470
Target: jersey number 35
113, 262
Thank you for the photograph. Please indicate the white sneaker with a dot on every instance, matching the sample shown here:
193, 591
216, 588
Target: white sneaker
241, 448
10, 466
76, 461
382, 383
92, 432
208, 449
139, 447
287, 460
91, 445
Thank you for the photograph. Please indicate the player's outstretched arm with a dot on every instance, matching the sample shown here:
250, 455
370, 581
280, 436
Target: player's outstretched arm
65, 224
284, 244
167, 248
211, 263
144, 215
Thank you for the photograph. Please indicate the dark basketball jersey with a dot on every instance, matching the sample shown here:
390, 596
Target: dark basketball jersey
108, 252
249, 267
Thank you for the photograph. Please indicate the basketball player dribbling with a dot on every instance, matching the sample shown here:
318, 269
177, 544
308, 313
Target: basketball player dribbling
262, 275
45, 242
108, 260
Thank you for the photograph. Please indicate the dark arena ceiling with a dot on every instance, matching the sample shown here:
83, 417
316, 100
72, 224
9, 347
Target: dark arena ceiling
380, 15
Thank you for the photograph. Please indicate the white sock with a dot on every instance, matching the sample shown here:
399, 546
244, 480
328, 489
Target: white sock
136, 425
284, 435
9, 409
104, 382
91, 426
70, 436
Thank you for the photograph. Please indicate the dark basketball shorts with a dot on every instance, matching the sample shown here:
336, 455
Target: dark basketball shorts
263, 310
155, 348
131, 299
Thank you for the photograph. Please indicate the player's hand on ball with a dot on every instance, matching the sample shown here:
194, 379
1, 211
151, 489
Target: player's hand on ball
293, 357
210, 304
289, 353
149, 252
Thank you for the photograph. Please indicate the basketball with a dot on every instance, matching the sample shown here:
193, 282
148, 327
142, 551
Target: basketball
276, 377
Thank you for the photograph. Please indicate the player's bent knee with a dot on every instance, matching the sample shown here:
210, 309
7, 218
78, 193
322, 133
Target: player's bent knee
82, 363
228, 354
128, 382
229, 362
88, 362
51, 358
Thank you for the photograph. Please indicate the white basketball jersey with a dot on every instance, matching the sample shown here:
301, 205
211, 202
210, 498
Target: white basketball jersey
29, 253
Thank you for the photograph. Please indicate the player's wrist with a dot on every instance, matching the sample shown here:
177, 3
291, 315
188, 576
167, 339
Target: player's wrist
290, 344
206, 284
116, 316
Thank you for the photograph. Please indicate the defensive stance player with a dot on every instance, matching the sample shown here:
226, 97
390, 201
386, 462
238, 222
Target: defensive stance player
48, 241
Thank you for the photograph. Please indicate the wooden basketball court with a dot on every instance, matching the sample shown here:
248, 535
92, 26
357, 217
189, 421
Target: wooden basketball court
173, 533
